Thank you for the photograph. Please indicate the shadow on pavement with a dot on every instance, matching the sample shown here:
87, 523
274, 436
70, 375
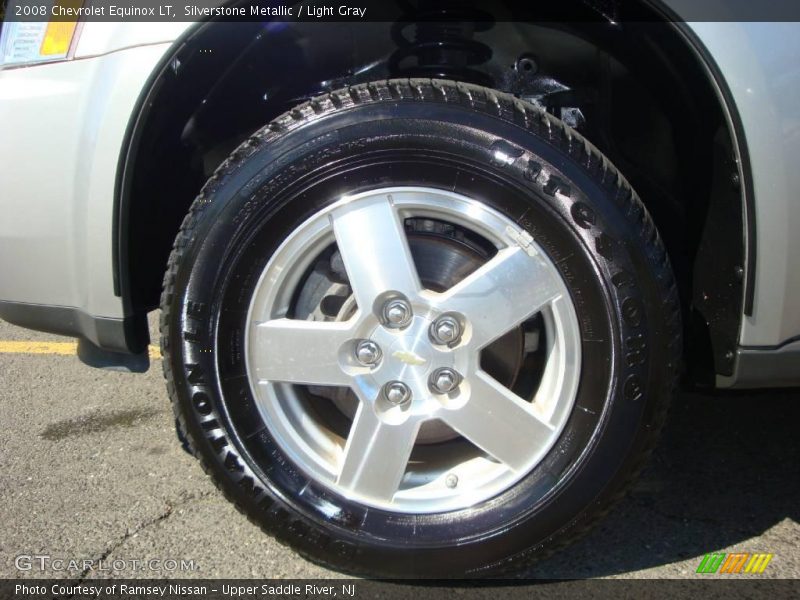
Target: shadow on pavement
726, 469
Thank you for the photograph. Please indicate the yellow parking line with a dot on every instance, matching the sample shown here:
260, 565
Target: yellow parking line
59, 348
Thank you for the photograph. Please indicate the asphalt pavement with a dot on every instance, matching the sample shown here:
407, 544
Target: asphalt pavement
91, 470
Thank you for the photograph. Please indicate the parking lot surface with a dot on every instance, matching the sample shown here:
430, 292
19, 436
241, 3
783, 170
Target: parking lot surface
90, 469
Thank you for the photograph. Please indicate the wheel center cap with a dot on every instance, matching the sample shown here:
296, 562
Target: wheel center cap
409, 356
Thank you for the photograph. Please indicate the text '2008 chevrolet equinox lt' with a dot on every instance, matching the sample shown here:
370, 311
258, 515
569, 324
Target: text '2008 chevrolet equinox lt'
427, 283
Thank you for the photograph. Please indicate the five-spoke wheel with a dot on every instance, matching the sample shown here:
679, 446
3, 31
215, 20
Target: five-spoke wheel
412, 355
419, 328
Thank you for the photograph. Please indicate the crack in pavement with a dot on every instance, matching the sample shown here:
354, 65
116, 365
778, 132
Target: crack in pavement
163, 516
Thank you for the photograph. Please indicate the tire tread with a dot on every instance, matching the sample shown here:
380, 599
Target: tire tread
499, 105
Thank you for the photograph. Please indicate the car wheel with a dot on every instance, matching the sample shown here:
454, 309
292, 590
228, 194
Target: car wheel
420, 328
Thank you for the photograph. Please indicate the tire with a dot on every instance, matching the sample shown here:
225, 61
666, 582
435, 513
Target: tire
448, 151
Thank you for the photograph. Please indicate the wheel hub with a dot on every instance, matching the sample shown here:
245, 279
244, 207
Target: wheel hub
411, 357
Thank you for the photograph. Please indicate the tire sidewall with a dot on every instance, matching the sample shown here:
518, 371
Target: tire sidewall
572, 212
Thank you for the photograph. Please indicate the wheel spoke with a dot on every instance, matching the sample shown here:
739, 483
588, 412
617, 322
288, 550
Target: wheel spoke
376, 455
374, 248
502, 293
295, 351
499, 422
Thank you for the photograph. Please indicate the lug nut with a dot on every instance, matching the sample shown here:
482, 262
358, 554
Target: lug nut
396, 392
368, 353
444, 381
445, 330
397, 313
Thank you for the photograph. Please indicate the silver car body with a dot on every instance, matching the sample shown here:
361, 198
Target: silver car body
64, 126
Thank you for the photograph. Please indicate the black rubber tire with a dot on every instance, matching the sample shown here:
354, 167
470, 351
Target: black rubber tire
440, 134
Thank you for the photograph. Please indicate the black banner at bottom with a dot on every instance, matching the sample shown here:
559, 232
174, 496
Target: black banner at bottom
344, 589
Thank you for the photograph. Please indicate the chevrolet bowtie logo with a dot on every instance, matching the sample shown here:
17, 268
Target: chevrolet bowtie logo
409, 357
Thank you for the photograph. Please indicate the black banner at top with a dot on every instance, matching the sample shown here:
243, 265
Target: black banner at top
601, 11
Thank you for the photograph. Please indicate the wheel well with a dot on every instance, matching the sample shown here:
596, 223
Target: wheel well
636, 90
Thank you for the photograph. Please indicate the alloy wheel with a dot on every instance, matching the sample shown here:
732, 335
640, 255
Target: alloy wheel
412, 360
